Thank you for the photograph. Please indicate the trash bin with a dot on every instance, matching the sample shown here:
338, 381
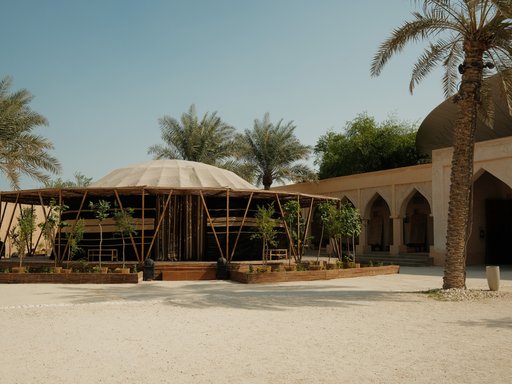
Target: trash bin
149, 270
493, 277
222, 269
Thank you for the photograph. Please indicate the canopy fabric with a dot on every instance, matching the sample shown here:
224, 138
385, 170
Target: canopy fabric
172, 174
436, 131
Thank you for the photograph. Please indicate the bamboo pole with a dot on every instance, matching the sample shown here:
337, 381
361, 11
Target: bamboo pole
241, 227
58, 256
11, 219
132, 240
160, 221
308, 220
286, 228
227, 222
143, 223
77, 216
211, 223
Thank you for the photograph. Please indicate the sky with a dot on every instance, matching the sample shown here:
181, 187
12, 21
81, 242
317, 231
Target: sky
104, 71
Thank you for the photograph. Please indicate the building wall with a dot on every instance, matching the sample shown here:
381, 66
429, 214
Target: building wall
432, 181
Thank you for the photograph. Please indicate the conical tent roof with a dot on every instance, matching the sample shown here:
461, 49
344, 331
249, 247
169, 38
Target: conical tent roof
172, 174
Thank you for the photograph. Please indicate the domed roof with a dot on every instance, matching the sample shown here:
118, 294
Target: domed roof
436, 131
172, 174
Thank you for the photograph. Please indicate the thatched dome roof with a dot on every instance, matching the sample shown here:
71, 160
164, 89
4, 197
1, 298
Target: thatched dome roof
172, 174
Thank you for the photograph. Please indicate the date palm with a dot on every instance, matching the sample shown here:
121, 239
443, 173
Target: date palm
21, 151
207, 140
471, 38
271, 152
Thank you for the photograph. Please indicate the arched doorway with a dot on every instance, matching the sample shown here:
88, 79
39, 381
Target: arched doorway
418, 224
489, 241
380, 226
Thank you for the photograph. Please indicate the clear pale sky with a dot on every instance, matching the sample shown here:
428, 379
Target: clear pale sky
104, 71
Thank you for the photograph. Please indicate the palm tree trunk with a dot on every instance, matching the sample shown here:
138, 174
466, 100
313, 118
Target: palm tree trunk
462, 170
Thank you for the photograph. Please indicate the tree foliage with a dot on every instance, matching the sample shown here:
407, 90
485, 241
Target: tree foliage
266, 230
271, 152
21, 151
367, 146
206, 140
80, 181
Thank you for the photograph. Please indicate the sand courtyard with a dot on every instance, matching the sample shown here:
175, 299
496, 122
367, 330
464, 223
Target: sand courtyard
362, 330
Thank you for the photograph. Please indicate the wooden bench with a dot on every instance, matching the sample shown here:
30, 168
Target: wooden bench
93, 254
278, 253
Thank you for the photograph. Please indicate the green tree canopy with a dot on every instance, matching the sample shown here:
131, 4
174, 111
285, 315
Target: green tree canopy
21, 151
271, 152
367, 146
207, 140
80, 181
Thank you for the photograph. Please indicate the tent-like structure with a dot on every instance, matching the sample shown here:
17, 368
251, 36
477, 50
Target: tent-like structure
182, 211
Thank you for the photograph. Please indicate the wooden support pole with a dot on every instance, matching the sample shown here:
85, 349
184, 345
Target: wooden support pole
211, 223
160, 221
240, 229
77, 216
308, 220
12, 218
132, 240
58, 256
294, 252
143, 225
227, 223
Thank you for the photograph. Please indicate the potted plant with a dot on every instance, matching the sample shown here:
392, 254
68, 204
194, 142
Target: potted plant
101, 212
74, 236
125, 227
49, 229
265, 225
21, 236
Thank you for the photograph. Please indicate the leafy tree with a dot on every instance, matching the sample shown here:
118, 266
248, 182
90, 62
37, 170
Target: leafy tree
101, 212
21, 151
26, 228
271, 152
265, 225
473, 39
296, 224
340, 222
125, 226
80, 181
52, 223
74, 237
367, 146
207, 140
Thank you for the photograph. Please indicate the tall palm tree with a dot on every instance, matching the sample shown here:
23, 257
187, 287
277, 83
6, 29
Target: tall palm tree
21, 151
208, 140
472, 38
271, 151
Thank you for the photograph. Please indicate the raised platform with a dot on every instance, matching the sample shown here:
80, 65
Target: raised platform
404, 260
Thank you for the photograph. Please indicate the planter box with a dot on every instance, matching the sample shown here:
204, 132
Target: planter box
278, 277
71, 278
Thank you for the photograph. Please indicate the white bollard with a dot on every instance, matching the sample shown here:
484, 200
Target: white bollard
493, 277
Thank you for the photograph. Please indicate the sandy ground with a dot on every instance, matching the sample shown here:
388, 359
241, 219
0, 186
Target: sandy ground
363, 330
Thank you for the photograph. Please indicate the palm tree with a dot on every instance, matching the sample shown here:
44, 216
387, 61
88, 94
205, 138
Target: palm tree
472, 38
21, 151
207, 140
270, 153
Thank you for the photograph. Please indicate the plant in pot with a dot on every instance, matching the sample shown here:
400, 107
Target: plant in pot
125, 227
295, 223
101, 212
74, 236
22, 236
50, 226
350, 228
265, 227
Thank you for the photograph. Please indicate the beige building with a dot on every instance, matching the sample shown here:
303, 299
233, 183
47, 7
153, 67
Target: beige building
405, 210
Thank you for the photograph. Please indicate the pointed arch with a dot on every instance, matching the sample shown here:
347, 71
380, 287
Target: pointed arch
379, 224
